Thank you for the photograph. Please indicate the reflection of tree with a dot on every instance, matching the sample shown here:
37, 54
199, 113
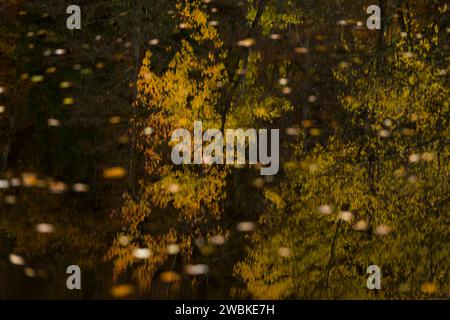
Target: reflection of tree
185, 204
376, 193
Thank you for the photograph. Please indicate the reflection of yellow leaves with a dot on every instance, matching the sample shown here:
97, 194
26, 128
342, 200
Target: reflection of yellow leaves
275, 198
114, 173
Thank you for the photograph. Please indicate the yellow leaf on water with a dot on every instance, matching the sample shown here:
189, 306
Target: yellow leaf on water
68, 101
428, 287
29, 179
169, 276
122, 291
114, 173
246, 42
37, 78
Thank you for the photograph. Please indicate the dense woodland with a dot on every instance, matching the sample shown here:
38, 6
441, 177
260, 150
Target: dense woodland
86, 177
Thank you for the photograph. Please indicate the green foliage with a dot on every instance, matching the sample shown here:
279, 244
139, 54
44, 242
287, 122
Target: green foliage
277, 15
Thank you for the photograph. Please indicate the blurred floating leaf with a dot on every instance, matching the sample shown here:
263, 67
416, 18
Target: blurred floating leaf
429, 288
16, 259
148, 131
382, 230
50, 70
60, 52
293, 131
37, 78
307, 123
114, 173
312, 98
345, 215
15, 182
428, 156
45, 228
249, 42
301, 50
196, 269
361, 225
384, 133
284, 252
53, 122
122, 291
315, 132
245, 226
173, 188
283, 81
65, 85
286, 90
400, 172
114, 120
407, 132
29, 179
29, 272
275, 36
173, 249
170, 276
80, 187
4, 184
413, 158
68, 101
57, 187
141, 253
325, 209
11, 199
217, 240
86, 71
